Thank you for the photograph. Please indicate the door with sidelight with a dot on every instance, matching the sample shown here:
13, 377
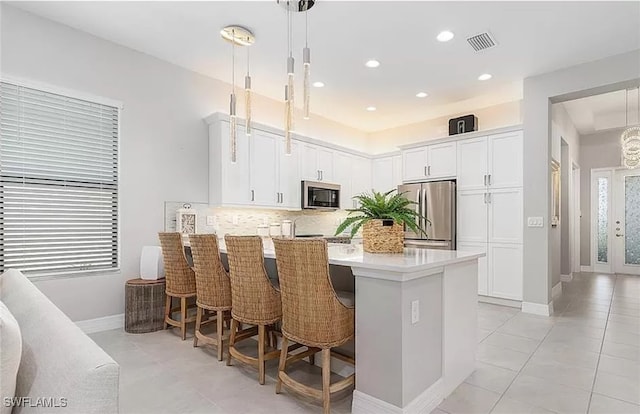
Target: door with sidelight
626, 221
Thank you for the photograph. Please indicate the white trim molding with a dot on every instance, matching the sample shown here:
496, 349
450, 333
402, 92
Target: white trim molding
426, 402
102, 324
586, 268
538, 308
557, 289
566, 278
500, 301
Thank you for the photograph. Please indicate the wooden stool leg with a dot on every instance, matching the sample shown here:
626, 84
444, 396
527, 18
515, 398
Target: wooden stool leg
220, 327
312, 359
261, 367
167, 311
183, 317
283, 362
232, 338
326, 381
197, 329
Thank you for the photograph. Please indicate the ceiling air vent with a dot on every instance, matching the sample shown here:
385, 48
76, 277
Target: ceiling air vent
482, 41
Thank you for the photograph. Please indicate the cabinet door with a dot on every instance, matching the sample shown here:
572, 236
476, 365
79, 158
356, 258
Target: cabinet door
472, 216
483, 281
472, 164
442, 160
361, 179
414, 164
505, 215
505, 271
309, 162
236, 189
325, 164
289, 175
505, 160
263, 168
396, 172
342, 175
382, 174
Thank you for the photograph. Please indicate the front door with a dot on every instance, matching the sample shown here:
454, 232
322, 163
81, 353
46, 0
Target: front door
626, 221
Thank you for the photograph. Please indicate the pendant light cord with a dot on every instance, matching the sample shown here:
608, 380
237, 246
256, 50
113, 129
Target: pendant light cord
233, 61
306, 27
248, 61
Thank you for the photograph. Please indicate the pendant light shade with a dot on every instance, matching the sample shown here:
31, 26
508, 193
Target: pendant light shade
630, 139
288, 119
233, 128
306, 64
247, 104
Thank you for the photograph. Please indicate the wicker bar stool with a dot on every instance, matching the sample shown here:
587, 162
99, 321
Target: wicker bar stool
312, 314
181, 280
255, 301
213, 289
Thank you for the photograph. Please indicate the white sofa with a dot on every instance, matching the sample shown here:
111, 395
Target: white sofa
58, 359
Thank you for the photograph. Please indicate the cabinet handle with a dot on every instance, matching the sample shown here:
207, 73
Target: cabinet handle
318, 174
281, 198
253, 195
484, 180
485, 197
321, 175
429, 170
488, 198
489, 179
425, 171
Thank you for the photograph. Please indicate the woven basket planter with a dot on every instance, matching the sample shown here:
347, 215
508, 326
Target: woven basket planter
383, 236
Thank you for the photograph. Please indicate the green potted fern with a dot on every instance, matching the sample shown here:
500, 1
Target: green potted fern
382, 217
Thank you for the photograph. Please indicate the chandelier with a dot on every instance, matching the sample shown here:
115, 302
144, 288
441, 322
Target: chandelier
630, 139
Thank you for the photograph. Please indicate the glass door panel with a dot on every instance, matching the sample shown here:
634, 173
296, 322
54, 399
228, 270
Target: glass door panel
627, 222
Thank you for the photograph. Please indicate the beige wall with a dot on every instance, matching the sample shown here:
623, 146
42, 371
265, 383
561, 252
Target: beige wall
599, 150
497, 116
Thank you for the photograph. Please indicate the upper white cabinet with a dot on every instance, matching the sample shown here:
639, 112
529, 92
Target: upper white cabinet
505, 215
429, 162
494, 161
316, 163
360, 179
228, 182
386, 173
289, 176
263, 170
342, 164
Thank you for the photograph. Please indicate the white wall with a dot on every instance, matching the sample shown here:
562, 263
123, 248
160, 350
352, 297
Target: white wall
608, 74
164, 143
599, 150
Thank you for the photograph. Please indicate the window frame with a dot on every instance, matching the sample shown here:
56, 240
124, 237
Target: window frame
71, 93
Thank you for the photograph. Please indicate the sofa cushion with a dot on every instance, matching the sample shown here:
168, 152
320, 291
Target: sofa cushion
10, 353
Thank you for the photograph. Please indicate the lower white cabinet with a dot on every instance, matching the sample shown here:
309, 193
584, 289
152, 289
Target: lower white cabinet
483, 278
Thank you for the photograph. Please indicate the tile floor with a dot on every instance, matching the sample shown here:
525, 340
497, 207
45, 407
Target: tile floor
584, 359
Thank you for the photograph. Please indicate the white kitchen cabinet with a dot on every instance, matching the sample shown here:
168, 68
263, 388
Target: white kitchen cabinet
472, 164
342, 164
361, 179
505, 160
229, 183
472, 216
430, 162
289, 187
263, 169
483, 277
386, 173
505, 215
316, 163
505, 271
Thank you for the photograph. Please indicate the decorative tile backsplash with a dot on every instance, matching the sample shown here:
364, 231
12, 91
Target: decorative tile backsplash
240, 221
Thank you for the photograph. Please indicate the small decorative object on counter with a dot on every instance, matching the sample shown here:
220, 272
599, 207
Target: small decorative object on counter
186, 222
263, 230
275, 230
383, 217
287, 228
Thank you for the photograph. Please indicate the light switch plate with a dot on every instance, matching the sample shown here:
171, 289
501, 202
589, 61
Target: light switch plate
415, 311
535, 222
211, 220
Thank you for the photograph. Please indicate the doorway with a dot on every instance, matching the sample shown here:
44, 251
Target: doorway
615, 220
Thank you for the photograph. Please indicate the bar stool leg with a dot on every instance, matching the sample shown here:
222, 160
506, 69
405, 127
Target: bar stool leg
197, 329
232, 339
220, 329
283, 362
183, 317
312, 359
326, 381
261, 367
167, 311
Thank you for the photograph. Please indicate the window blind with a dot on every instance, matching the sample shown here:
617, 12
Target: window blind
58, 182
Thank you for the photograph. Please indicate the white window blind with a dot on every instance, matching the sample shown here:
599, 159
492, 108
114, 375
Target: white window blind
58, 182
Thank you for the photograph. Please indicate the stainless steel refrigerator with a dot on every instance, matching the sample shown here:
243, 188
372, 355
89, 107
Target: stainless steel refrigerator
435, 201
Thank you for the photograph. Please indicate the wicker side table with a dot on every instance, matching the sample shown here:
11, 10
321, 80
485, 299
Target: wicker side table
144, 305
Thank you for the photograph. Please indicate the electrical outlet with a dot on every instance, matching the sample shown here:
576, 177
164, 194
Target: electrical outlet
535, 222
415, 312
211, 220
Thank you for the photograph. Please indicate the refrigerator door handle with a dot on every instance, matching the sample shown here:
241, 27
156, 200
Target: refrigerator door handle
418, 207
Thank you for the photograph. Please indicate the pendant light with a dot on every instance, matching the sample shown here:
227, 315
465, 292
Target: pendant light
247, 98
306, 62
289, 90
238, 36
630, 138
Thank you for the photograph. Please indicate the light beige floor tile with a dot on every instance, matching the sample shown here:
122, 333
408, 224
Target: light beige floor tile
615, 386
624, 319
501, 357
549, 395
469, 399
516, 343
482, 334
625, 351
605, 405
491, 377
570, 375
510, 406
438, 411
633, 328
527, 326
573, 341
619, 366
621, 336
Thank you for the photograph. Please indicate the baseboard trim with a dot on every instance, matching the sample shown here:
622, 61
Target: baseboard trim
102, 324
557, 289
500, 301
538, 308
586, 268
566, 278
426, 402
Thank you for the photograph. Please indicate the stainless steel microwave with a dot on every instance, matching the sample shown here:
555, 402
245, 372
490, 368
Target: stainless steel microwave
320, 196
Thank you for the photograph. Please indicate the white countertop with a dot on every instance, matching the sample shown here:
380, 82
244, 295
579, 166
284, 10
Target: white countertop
411, 260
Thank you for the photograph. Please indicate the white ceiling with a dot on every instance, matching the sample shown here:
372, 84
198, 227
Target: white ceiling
604, 112
533, 37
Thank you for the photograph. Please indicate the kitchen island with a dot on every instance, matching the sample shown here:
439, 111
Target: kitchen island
415, 325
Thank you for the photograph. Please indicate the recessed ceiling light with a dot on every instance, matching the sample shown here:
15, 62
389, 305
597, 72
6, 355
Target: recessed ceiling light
422, 94
318, 84
444, 36
484, 76
372, 63
371, 108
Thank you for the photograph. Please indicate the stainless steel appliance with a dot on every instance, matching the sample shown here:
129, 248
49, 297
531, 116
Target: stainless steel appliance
320, 196
435, 201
